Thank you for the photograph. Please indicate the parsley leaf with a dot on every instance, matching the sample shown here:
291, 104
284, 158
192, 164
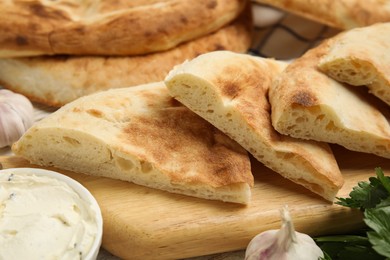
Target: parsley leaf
373, 198
383, 179
368, 195
347, 247
378, 219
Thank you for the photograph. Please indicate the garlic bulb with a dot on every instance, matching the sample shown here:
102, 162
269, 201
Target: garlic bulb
283, 244
16, 116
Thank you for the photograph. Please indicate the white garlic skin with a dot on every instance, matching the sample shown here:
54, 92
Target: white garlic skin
283, 244
16, 116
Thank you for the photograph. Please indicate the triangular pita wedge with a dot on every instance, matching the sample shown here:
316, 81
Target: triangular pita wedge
58, 80
230, 91
360, 57
141, 135
308, 104
30, 28
342, 14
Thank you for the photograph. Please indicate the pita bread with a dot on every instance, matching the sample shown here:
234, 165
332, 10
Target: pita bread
310, 105
58, 80
108, 27
230, 91
342, 14
358, 62
141, 135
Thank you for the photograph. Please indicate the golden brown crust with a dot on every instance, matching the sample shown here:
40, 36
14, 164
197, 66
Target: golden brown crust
342, 14
108, 27
177, 130
308, 104
361, 62
58, 80
230, 91
141, 135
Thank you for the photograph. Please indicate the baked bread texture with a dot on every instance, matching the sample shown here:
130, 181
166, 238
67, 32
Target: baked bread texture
230, 91
359, 62
342, 14
58, 80
141, 135
39, 27
308, 104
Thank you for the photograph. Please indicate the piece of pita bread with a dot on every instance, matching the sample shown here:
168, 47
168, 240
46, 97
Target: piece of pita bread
230, 91
58, 80
141, 135
342, 14
308, 104
361, 62
30, 28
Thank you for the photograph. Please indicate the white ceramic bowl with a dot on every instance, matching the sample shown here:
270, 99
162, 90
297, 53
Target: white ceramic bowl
82, 192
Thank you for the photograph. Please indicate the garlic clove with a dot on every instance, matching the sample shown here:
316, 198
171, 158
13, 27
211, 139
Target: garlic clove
16, 116
262, 246
9, 125
283, 244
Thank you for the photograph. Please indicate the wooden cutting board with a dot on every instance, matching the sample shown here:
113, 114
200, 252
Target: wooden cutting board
142, 223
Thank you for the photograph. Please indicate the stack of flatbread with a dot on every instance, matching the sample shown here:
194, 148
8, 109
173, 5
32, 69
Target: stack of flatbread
193, 132
56, 51
231, 92
308, 100
144, 135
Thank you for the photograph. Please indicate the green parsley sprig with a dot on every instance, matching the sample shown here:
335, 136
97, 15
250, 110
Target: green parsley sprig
368, 195
373, 198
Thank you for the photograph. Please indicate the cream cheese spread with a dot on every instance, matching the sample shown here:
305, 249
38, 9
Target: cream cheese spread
43, 218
